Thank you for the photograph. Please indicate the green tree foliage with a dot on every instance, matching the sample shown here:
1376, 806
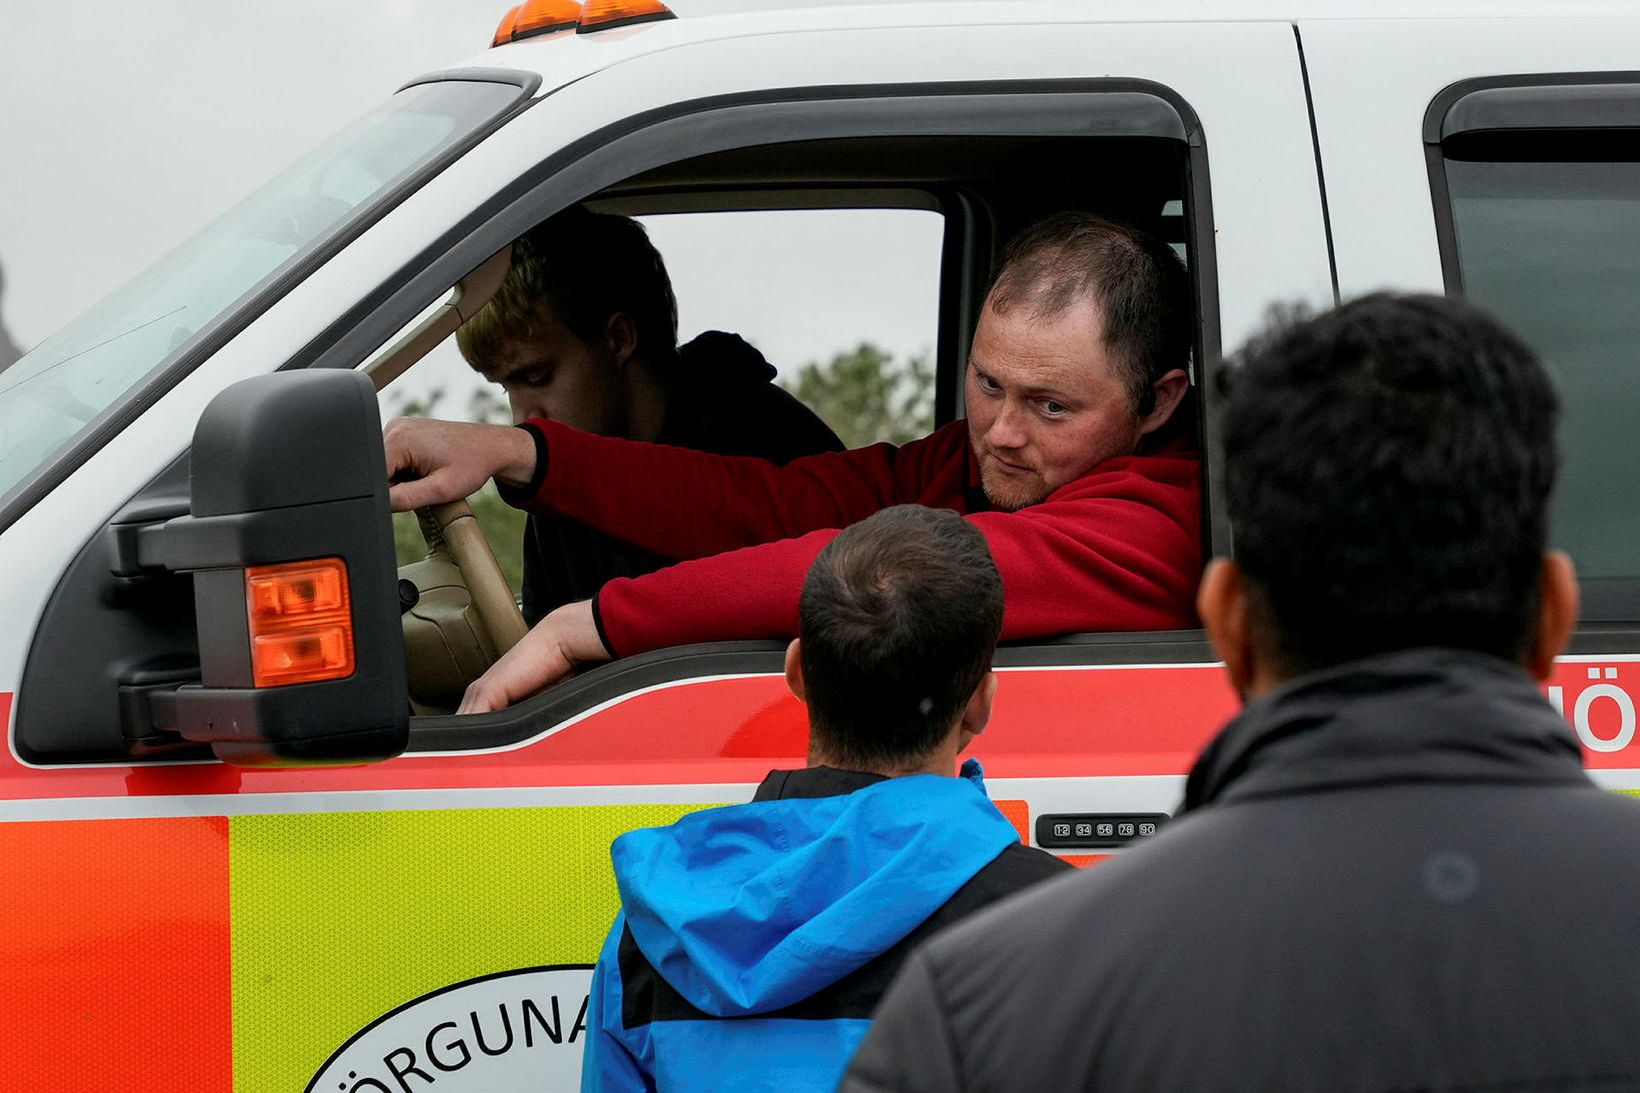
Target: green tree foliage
403, 406
503, 525
487, 406
866, 397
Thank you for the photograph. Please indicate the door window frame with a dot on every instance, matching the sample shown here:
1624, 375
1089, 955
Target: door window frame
1564, 104
1087, 109
1082, 108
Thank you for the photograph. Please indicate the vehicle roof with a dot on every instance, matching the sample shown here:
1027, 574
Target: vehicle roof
560, 58
858, 12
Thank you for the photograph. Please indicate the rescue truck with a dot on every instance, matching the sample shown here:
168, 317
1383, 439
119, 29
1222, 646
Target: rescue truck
232, 855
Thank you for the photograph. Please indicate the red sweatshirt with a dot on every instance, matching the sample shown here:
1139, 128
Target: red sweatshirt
1117, 549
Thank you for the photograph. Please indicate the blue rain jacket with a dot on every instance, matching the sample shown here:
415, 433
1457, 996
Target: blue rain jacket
723, 969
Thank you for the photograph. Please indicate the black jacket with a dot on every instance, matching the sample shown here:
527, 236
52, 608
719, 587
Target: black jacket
723, 401
1393, 876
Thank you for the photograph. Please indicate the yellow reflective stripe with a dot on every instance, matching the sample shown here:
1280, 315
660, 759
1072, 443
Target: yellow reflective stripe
338, 918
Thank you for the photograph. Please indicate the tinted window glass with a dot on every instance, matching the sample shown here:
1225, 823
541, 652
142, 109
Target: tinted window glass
1553, 248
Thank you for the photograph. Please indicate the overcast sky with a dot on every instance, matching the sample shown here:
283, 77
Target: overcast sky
127, 126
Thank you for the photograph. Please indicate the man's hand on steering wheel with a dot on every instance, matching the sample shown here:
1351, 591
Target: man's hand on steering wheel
434, 462
431, 462
559, 643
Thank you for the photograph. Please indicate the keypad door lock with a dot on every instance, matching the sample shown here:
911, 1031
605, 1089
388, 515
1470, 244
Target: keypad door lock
1096, 829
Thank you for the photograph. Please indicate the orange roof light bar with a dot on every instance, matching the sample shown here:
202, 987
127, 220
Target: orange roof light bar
536, 17
301, 622
504, 32
608, 14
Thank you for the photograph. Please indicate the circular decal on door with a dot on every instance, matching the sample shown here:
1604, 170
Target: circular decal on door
515, 1030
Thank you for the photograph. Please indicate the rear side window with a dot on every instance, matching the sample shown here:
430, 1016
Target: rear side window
1544, 231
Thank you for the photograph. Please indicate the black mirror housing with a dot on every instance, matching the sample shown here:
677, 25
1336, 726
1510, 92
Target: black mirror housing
286, 468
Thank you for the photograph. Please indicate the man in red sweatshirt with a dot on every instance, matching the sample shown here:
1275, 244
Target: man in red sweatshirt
1072, 461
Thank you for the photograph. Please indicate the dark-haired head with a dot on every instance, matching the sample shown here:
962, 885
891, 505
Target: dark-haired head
578, 268
1139, 285
898, 621
1388, 471
583, 329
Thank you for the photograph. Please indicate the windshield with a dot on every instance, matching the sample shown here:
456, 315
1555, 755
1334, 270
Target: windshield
57, 392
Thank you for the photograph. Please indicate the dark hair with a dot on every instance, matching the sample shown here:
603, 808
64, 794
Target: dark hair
899, 619
1388, 470
584, 267
1138, 282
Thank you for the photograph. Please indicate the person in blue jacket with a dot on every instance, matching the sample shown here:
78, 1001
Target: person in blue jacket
754, 940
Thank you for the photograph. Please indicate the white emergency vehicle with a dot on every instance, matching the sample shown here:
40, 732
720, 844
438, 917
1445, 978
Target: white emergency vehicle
232, 858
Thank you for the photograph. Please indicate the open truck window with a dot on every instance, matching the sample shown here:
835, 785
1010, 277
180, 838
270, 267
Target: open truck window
966, 195
842, 302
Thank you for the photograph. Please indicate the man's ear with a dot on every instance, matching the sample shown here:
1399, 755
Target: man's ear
1558, 602
977, 713
794, 670
1170, 391
621, 335
1221, 601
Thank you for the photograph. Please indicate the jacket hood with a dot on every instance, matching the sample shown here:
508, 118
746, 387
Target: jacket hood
1420, 715
725, 357
750, 908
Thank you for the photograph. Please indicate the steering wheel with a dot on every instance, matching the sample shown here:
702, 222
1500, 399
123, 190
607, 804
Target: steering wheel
453, 527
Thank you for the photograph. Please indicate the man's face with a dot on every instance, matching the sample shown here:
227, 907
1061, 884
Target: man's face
562, 377
1045, 403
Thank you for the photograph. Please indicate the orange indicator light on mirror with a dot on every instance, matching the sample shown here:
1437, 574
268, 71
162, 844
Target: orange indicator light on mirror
301, 622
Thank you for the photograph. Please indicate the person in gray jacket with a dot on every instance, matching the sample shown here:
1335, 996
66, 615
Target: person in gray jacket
1390, 872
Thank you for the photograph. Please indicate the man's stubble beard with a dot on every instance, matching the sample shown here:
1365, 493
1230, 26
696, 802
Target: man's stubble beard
1014, 499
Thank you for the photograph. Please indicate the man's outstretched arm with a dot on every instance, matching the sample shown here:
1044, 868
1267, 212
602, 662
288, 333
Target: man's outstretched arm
1120, 550
676, 502
681, 503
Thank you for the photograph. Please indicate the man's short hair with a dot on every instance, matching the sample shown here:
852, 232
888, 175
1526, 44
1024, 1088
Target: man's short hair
899, 619
1138, 282
578, 268
1388, 471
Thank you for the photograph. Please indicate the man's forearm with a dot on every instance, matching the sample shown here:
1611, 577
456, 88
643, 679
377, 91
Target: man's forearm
1126, 556
747, 593
682, 503
517, 458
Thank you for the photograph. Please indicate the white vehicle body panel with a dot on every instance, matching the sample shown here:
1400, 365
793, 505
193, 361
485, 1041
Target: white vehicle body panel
1372, 81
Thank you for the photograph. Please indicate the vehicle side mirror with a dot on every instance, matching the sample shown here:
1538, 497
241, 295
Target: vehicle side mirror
290, 543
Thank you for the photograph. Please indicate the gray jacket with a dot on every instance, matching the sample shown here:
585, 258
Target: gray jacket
1392, 876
